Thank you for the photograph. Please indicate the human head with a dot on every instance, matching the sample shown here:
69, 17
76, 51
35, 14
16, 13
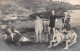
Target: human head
66, 13
12, 29
53, 13
57, 29
37, 17
3, 26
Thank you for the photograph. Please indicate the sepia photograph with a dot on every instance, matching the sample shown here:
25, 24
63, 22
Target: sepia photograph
39, 25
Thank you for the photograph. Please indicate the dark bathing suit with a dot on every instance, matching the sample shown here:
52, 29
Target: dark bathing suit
67, 26
52, 21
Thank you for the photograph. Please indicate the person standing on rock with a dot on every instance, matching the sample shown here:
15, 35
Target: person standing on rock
52, 22
38, 28
67, 25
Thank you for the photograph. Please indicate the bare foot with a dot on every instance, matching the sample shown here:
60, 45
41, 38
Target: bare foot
49, 46
66, 48
37, 41
55, 44
40, 41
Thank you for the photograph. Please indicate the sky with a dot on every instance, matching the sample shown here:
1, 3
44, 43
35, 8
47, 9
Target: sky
74, 2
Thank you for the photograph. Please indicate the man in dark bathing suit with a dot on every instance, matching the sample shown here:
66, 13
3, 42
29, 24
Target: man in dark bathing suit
52, 22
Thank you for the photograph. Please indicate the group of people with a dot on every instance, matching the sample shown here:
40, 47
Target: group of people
60, 34
13, 36
51, 24
66, 34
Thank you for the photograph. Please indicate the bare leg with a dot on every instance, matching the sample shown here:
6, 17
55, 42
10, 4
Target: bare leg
53, 41
56, 44
50, 44
48, 33
40, 37
53, 36
47, 37
49, 30
71, 43
11, 34
74, 41
67, 44
12, 37
5, 36
37, 36
57, 40
54, 30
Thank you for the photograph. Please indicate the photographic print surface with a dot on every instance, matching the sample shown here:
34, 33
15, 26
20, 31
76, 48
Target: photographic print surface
39, 25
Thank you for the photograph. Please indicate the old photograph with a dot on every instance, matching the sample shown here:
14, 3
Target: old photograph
39, 25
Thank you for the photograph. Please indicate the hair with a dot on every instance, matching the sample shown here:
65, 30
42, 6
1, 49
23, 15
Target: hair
12, 29
53, 12
37, 16
57, 29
